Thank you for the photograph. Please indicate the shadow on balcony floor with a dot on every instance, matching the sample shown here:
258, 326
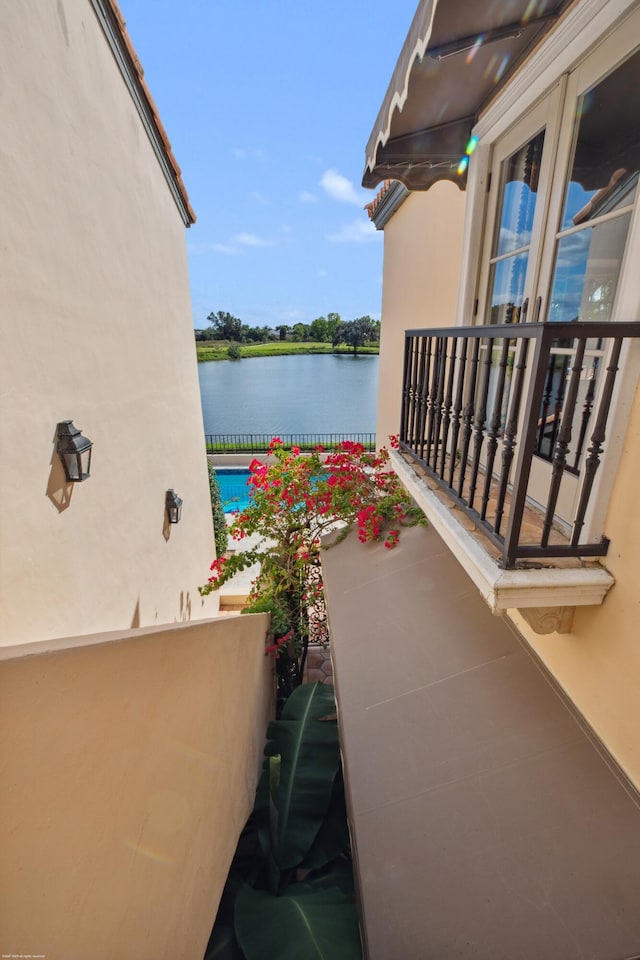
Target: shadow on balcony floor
486, 821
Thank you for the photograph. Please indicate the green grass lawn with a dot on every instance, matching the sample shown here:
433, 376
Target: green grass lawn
259, 444
217, 349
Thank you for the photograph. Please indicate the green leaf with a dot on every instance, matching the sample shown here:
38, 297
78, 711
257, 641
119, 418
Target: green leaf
246, 867
310, 701
310, 756
303, 924
265, 818
339, 874
223, 944
332, 838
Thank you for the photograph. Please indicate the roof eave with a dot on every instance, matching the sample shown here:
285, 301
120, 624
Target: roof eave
114, 28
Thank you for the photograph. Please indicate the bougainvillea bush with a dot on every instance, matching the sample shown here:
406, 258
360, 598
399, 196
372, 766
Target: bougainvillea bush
296, 498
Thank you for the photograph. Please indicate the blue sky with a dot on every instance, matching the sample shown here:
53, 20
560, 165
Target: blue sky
268, 105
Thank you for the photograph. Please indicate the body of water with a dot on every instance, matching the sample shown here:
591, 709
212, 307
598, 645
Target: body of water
234, 491
312, 393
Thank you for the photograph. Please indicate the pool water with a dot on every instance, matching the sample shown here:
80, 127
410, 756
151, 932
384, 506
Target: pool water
235, 493
233, 489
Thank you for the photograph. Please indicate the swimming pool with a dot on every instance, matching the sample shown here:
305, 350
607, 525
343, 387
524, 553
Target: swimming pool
233, 488
234, 492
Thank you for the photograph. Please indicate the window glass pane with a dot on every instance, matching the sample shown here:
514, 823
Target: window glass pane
606, 160
587, 269
520, 174
507, 287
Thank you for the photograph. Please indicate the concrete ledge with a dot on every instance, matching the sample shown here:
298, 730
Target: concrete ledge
586, 585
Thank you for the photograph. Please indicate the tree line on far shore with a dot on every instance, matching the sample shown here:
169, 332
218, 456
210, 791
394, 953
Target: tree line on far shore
330, 329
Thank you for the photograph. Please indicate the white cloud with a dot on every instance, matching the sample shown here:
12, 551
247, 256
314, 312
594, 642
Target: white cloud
198, 249
322, 273
260, 198
256, 153
224, 248
251, 240
286, 228
340, 188
358, 231
233, 247
306, 197
195, 249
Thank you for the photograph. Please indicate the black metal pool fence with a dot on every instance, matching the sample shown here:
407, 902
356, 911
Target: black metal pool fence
260, 442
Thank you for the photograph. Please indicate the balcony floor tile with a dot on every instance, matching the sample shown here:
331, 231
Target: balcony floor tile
487, 823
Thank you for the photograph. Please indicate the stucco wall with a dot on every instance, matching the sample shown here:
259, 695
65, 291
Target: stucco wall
96, 327
422, 249
598, 663
129, 768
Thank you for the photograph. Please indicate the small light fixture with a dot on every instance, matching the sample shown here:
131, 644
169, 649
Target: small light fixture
74, 451
174, 506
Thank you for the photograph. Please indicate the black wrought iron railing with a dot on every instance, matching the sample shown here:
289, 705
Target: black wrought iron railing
511, 421
259, 442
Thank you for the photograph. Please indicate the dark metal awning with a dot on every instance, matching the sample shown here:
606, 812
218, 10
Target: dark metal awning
456, 56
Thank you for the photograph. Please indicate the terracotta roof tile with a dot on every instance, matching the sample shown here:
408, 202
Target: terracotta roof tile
372, 207
133, 56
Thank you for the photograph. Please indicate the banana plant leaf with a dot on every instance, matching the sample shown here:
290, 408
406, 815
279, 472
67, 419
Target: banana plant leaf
310, 700
302, 923
332, 839
339, 874
223, 944
310, 756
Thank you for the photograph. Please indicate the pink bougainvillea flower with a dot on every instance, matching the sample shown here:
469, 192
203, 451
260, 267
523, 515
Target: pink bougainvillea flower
296, 498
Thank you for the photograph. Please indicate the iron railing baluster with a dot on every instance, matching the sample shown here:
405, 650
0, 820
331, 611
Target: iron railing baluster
510, 438
546, 402
412, 393
494, 426
422, 397
563, 440
480, 419
404, 406
447, 403
433, 389
539, 366
457, 410
597, 440
439, 401
467, 416
586, 415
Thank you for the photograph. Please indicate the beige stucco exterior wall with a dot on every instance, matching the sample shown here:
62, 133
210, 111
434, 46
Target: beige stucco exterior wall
422, 249
598, 663
129, 767
96, 326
